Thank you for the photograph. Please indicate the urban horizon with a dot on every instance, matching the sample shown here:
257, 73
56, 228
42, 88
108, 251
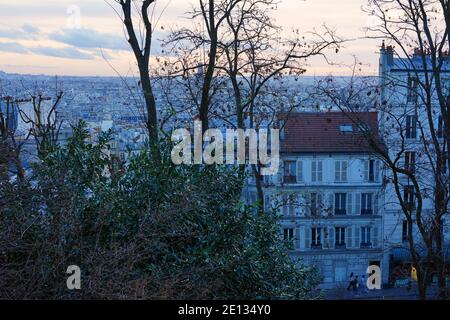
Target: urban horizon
239, 153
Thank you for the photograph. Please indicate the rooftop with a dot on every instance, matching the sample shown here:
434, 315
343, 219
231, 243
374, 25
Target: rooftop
311, 132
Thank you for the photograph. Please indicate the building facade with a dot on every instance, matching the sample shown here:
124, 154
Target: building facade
329, 192
408, 119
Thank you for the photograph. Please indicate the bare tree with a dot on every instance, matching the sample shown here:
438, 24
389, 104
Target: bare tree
255, 56
43, 121
140, 41
10, 146
245, 56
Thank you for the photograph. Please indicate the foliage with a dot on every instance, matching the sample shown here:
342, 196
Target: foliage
148, 230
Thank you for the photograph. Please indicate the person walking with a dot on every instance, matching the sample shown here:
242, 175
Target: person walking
356, 284
352, 280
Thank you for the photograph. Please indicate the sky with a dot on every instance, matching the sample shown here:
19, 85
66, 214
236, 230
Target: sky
86, 37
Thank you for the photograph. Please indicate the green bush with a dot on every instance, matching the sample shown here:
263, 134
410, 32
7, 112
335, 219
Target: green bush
149, 230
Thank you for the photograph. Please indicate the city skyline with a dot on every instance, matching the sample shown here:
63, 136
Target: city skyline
48, 38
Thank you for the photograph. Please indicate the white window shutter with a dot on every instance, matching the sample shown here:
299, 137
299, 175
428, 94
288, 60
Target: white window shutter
337, 171
299, 171
292, 204
296, 204
307, 237
358, 203
282, 234
375, 237
331, 202
349, 203
349, 240
307, 205
297, 238
325, 237
322, 236
344, 171
331, 237
356, 237
375, 203
284, 204
301, 204
366, 170
280, 173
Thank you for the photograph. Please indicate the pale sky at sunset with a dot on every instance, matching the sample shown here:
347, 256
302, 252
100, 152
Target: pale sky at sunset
37, 37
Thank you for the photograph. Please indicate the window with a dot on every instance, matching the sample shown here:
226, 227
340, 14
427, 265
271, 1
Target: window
405, 231
288, 204
366, 203
340, 171
410, 160
408, 197
346, 128
288, 234
316, 203
340, 203
316, 241
340, 238
316, 171
371, 170
411, 127
265, 179
413, 86
290, 168
365, 237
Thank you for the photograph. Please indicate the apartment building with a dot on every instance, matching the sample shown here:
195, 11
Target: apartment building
406, 128
329, 191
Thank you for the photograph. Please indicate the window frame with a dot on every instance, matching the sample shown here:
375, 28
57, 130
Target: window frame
340, 203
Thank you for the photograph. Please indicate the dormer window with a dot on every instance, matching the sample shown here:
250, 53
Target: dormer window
346, 128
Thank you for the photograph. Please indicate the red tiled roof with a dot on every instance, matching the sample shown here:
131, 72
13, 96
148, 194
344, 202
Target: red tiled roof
321, 132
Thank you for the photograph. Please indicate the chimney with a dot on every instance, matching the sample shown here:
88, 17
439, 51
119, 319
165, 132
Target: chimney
390, 55
417, 52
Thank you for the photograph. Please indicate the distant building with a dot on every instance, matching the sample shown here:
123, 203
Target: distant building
9, 112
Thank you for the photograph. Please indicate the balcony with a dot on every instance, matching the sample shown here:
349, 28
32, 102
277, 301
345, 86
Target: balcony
366, 212
340, 246
316, 246
290, 179
340, 212
366, 245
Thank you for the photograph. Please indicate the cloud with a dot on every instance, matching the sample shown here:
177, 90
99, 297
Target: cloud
13, 47
67, 52
89, 39
30, 29
27, 31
